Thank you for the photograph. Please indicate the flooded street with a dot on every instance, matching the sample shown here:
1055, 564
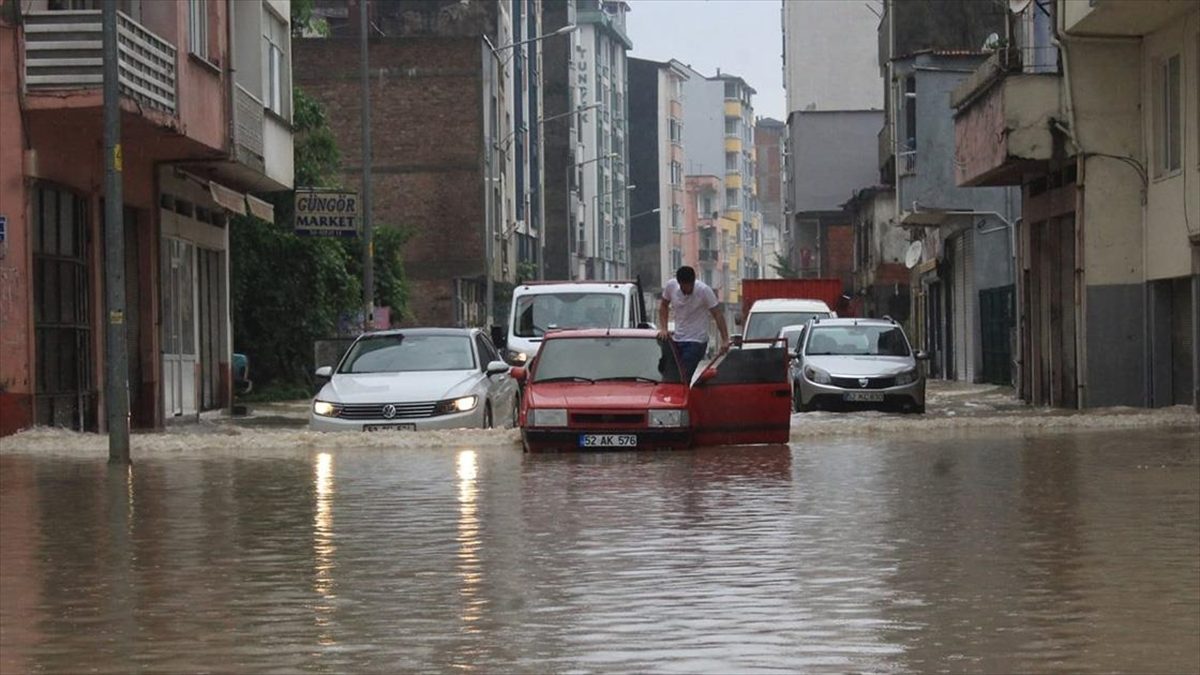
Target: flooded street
283, 551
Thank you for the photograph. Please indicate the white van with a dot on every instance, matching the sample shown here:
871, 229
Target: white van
544, 306
768, 316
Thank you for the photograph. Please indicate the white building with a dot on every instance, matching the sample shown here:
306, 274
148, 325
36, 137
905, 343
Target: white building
599, 182
830, 55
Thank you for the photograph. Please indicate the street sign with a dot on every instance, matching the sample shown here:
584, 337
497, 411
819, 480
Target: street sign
326, 213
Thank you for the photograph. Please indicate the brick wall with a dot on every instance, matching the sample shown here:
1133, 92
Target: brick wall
839, 254
426, 117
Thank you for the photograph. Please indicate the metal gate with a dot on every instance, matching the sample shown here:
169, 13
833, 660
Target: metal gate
997, 318
65, 391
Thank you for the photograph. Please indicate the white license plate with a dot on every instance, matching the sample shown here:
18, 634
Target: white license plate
389, 427
863, 397
608, 441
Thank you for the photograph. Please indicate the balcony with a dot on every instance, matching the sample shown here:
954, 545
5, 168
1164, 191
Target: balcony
733, 144
64, 50
1109, 17
1002, 121
709, 255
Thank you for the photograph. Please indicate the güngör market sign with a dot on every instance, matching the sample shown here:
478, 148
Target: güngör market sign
326, 213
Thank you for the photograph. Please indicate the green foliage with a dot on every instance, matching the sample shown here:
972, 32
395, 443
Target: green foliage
303, 20
783, 267
287, 291
526, 271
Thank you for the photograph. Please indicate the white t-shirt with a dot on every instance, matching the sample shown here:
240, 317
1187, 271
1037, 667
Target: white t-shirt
691, 312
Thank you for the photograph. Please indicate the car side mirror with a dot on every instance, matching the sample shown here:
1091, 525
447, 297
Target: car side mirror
325, 372
921, 355
736, 340
799, 351
497, 368
518, 373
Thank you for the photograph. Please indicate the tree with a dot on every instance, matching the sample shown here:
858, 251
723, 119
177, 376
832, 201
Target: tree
288, 291
783, 267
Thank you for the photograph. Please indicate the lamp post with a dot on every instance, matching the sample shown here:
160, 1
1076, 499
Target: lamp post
488, 246
571, 228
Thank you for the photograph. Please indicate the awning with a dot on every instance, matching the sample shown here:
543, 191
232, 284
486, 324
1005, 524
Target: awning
262, 210
927, 218
231, 200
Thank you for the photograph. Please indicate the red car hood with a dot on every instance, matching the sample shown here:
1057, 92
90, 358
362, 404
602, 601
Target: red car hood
607, 395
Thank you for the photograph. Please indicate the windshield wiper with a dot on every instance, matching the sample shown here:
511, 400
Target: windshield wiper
566, 378
630, 378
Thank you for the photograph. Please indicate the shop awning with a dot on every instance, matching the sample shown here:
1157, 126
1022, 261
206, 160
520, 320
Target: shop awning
262, 210
231, 200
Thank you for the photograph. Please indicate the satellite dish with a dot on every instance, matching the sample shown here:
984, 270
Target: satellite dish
1018, 6
912, 257
992, 41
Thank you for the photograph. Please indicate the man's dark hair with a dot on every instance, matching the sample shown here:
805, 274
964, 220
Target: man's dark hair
686, 275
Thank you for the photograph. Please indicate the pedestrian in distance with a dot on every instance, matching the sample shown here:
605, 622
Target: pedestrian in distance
693, 303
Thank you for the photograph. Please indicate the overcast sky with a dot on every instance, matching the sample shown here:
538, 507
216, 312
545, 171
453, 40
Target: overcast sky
738, 36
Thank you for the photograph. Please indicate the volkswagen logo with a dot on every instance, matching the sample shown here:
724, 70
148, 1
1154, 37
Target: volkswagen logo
862, 382
389, 411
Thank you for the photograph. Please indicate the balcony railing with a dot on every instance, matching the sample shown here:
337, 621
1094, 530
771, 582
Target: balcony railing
709, 255
64, 50
907, 162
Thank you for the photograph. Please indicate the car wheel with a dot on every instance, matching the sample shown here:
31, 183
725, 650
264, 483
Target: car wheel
796, 407
917, 409
487, 416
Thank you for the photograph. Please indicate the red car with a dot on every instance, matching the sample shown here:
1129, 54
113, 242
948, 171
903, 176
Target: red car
622, 389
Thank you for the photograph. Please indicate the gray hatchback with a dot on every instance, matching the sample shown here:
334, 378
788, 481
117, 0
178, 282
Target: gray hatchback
858, 363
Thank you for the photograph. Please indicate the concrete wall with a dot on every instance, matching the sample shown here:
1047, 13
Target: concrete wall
1173, 199
16, 315
557, 148
704, 126
812, 31
832, 155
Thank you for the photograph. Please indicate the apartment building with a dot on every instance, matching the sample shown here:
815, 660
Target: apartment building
206, 111
769, 139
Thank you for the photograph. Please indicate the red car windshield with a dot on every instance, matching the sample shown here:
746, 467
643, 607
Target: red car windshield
607, 358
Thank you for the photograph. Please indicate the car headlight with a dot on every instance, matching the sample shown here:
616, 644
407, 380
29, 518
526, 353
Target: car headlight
907, 377
668, 418
519, 358
325, 409
548, 417
457, 405
817, 375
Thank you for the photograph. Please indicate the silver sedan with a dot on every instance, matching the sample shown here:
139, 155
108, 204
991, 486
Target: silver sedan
425, 378
856, 363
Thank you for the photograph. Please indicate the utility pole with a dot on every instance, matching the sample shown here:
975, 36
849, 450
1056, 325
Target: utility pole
116, 374
368, 238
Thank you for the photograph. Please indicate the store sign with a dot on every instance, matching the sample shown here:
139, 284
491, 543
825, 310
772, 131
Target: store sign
326, 213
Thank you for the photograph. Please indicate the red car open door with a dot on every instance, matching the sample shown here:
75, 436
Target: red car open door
748, 400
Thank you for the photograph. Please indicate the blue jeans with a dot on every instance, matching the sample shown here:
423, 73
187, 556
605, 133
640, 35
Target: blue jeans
690, 355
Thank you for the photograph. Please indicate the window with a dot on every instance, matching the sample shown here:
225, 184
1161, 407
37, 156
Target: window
731, 198
731, 161
198, 27
676, 131
731, 126
1167, 137
707, 209
910, 113
676, 258
731, 89
277, 86
677, 219
676, 173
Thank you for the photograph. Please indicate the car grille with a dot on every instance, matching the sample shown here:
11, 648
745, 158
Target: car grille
374, 411
872, 382
608, 418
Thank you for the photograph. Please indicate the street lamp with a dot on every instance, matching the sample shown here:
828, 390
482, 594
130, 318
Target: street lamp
569, 28
644, 213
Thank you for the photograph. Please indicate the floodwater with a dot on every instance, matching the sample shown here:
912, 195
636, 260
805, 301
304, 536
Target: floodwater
283, 551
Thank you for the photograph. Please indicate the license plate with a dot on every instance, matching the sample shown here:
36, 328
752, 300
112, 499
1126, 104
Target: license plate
389, 427
608, 441
863, 397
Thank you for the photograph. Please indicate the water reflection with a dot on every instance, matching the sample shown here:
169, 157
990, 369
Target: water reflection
324, 547
469, 568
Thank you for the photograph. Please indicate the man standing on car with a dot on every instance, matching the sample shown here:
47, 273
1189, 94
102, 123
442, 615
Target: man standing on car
693, 303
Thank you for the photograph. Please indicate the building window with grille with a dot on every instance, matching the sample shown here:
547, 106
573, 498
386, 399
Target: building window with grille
277, 85
198, 27
1168, 144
